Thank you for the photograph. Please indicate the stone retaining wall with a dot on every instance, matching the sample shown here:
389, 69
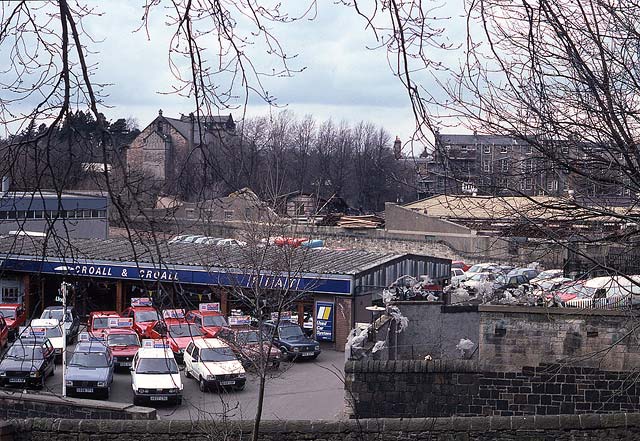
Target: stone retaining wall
559, 427
409, 389
28, 405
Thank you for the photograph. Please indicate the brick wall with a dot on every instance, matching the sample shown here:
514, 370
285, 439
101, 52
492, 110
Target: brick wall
560, 428
20, 405
414, 388
512, 337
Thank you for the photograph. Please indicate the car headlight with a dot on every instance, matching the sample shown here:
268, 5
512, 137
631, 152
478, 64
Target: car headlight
180, 351
317, 347
34, 374
296, 349
242, 375
58, 350
102, 383
69, 383
143, 391
3, 374
173, 391
211, 377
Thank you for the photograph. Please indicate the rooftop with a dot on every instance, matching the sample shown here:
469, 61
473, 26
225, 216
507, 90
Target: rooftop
159, 253
508, 208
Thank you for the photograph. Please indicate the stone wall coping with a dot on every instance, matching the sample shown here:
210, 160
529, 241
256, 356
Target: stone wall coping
555, 310
413, 366
406, 425
137, 412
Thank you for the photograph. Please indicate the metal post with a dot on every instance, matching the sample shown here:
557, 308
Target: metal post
63, 288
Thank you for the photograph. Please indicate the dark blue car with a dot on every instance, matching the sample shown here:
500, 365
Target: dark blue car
291, 341
90, 370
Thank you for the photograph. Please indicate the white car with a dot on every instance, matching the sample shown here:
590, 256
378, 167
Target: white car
610, 293
49, 328
155, 376
214, 364
457, 276
480, 268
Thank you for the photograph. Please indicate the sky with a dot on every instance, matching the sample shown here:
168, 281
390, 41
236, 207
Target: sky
342, 79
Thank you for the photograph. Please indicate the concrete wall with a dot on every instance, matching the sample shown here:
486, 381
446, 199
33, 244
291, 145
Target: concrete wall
19, 405
410, 389
435, 329
564, 427
398, 218
513, 337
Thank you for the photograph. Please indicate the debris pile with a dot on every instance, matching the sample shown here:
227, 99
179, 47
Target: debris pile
361, 222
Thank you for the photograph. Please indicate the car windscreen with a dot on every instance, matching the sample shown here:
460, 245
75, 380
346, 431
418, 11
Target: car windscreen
123, 340
213, 320
217, 354
157, 366
89, 359
146, 316
184, 330
53, 332
287, 332
9, 313
100, 322
249, 337
56, 314
478, 277
474, 269
24, 352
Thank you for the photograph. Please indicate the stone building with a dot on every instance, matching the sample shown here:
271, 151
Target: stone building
174, 154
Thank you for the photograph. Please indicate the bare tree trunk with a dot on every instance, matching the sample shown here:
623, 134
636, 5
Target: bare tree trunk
256, 422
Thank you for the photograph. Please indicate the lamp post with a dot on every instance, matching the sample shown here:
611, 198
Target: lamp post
64, 286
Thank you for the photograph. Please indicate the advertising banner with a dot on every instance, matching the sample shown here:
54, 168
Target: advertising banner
324, 321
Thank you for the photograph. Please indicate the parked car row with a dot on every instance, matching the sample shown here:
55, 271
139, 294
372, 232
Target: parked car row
206, 240
152, 345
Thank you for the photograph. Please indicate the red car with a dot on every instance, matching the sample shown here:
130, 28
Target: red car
460, 264
250, 346
178, 332
15, 316
209, 321
124, 343
99, 322
4, 333
143, 314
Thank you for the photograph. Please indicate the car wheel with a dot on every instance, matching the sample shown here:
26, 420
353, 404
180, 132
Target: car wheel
178, 401
41, 385
276, 365
202, 385
107, 393
53, 371
187, 374
137, 401
240, 387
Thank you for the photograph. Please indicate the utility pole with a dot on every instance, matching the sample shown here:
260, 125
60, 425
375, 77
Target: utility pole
64, 286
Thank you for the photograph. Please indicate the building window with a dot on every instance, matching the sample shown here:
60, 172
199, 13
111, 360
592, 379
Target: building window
228, 214
504, 165
504, 149
528, 149
528, 165
552, 185
463, 147
486, 149
11, 295
486, 166
528, 184
191, 213
564, 149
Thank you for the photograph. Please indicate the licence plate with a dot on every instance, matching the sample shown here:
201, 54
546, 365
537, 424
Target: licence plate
158, 398
307, 354
125, 363
17, 380
227, 383
84, 390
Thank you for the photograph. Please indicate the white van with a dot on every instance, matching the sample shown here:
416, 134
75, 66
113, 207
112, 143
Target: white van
155, 376
214, 364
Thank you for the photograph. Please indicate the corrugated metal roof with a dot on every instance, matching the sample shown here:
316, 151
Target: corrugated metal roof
198, 255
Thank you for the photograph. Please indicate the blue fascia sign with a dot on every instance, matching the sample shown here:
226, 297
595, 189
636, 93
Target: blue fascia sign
198, 276
324, 321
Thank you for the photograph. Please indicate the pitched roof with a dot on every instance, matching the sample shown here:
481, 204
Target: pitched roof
118, 251
183, 126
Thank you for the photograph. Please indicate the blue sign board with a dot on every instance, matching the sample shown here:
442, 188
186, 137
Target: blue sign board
200, 276
324, 321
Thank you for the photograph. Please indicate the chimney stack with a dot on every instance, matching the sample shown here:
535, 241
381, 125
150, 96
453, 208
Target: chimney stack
397, 148
6, 182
